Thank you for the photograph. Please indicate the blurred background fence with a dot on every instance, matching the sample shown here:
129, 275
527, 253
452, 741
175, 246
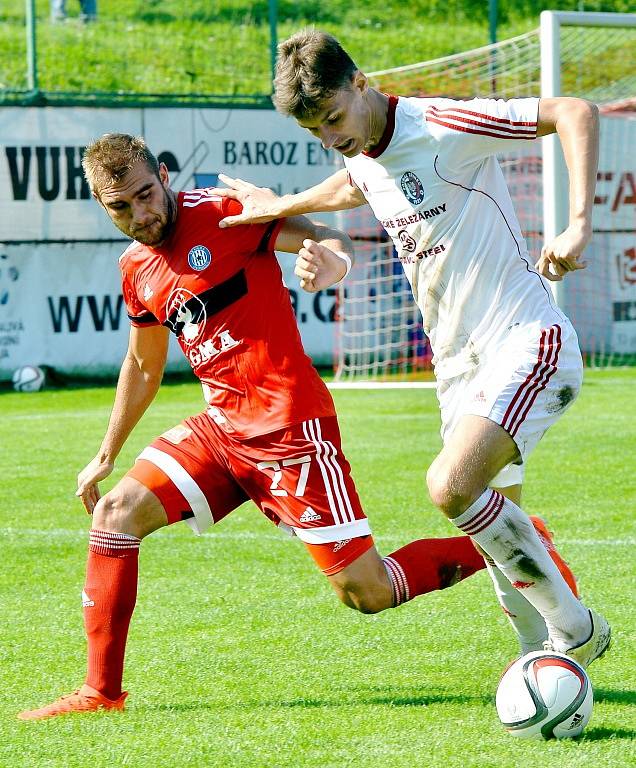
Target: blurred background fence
222, 51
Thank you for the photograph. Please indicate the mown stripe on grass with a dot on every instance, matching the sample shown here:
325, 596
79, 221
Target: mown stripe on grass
68, 533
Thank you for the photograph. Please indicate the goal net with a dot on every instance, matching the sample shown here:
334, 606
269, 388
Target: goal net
379, 333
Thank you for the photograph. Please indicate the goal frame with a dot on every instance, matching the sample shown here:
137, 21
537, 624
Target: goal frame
555, 174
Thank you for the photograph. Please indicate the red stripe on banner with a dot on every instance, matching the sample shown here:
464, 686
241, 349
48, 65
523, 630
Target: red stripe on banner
464, 129
448, 115
527, 382
481, 115
547, 373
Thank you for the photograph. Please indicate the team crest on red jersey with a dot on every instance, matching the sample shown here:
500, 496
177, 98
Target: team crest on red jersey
186, 315
199, 257
412, 187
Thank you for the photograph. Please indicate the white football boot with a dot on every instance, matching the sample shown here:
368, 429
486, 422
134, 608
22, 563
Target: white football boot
594, 647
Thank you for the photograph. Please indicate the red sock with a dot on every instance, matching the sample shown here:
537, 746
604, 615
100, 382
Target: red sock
428, 564
109, 597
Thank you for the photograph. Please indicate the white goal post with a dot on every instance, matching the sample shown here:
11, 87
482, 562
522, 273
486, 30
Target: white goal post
555, 175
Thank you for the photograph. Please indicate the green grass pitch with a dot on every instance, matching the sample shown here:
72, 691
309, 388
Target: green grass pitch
240, 655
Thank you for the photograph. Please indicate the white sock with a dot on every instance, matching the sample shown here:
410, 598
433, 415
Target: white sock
526, 621
506, 534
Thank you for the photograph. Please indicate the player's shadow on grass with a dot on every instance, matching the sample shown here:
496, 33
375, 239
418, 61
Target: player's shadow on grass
602, 734
427, 699
413, 700
614, 697
346, 701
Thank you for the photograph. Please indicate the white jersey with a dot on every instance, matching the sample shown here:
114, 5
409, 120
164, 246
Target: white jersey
434, 184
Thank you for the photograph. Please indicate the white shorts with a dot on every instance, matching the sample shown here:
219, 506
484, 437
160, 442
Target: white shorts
524, 387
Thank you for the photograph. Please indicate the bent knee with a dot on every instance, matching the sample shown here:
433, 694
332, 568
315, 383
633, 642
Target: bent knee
129, 508
448, 492
363, 598
114, 512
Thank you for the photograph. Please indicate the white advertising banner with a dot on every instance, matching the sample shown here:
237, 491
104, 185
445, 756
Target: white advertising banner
601, 299
61, 305
43, 195
623, 267
60, 302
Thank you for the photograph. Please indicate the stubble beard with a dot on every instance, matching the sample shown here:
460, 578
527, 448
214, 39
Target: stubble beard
170, 210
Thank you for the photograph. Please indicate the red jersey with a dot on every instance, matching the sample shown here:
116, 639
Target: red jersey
221, 292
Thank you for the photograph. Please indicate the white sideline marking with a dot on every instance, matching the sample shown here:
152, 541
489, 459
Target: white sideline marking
157, 409
382, 385
67, 533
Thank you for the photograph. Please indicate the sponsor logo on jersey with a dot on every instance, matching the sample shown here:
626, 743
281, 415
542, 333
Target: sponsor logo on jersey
412, 188
199, 257
219, 418
407, 241
186, 315
309, 515
406, 258
413, 218
211, 348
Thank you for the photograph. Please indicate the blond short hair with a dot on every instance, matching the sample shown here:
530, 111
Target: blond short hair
311, 67
108, 159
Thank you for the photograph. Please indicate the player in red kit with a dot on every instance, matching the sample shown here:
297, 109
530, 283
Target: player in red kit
268, 432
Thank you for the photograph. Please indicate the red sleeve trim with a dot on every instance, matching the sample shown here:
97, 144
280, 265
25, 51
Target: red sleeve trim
494, 131
481, 115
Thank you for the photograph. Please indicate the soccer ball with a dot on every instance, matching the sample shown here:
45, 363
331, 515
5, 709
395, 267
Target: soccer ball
544, 695
28, 378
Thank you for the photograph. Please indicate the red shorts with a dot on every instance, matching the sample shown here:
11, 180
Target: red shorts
298, 477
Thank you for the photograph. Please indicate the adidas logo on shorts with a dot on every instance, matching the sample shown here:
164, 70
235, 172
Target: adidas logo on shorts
309, 515
341, 544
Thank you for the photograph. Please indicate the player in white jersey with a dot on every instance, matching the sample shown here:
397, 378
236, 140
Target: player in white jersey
506, 358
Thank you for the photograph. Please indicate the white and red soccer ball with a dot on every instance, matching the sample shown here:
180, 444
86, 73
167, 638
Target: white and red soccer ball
28, 378
544, 695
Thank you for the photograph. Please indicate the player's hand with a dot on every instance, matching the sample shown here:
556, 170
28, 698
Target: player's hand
563, 254
318, 267
87, 480
259, 203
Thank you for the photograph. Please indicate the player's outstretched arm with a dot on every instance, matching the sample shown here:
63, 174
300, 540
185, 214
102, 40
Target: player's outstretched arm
577, 125
260, 204
325, 255
138, 382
